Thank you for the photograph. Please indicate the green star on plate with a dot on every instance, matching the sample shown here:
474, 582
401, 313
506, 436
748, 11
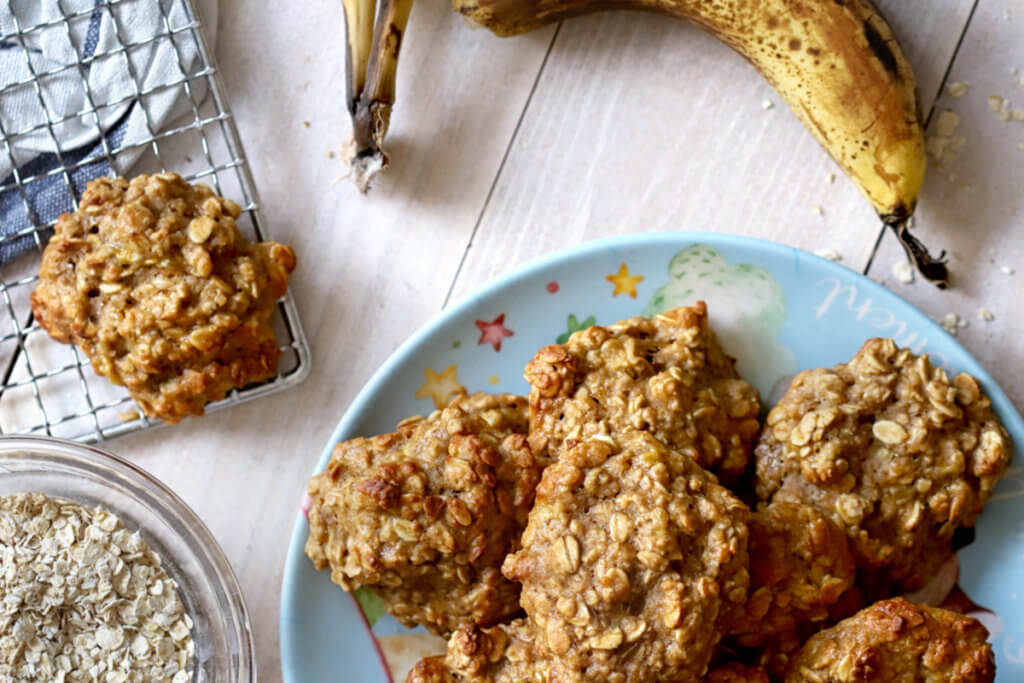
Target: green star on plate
575, 326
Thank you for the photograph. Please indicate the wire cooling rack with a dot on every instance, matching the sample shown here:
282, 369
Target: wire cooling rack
50, 388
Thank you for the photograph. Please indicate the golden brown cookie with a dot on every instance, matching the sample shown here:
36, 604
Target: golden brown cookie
631, 560
893, 451
501, 654
895, 641
155, 283
424, 516
800, 565
666, 375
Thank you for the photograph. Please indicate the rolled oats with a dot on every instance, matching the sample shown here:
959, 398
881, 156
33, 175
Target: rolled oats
84, 599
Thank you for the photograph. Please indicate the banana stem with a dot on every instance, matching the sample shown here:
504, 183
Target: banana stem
933, 269
359, 15
372, 108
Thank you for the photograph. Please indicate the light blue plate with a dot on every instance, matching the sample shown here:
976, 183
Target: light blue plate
777, 309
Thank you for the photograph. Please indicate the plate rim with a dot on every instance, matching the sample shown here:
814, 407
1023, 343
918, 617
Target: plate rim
1003, 406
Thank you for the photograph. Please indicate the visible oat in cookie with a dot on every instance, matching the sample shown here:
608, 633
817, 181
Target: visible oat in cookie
632, 559
84, 599
895, 641
665, 374
154, 281
501, 654
424, 516
800, 565
893, 451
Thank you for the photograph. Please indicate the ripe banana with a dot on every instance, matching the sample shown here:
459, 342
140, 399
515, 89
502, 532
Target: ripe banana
835, 62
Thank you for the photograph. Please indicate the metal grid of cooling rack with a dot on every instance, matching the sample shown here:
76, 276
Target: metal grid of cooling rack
50, 388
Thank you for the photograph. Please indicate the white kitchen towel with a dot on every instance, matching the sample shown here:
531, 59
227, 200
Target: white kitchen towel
77, 81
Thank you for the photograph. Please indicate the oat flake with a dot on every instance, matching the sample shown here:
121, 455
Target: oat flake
78, 600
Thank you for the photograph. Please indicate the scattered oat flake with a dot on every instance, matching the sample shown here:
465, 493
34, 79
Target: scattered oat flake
995, 102
831, 178
957, 89
78, 598
828, 253
1018, 115
943, 144
767, 104
947, 123
986, 314
951, 323
903, 271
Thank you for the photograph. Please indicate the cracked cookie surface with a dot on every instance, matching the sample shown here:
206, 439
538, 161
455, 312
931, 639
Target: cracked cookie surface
425, 515
893, 641
666, 375
631, 562
896, 453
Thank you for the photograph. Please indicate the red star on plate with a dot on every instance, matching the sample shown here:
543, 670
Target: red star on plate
493, 332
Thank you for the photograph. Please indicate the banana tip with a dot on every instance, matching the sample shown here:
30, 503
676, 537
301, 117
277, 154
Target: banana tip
932, 268
365, 164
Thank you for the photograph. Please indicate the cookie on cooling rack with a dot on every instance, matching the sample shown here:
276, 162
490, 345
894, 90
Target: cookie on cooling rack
155, 283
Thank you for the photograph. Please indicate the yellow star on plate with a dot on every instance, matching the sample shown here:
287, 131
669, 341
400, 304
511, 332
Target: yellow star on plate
440, 387
624, 282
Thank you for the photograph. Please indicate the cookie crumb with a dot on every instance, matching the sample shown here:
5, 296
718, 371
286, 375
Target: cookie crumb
951, 323
829, 253
330, 154
986, 314
818, 210
1007, 270
767, 104
943, 144
306, 124
903, 271
831, 178
957, 89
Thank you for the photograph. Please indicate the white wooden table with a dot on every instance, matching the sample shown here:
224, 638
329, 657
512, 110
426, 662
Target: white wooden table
504, 149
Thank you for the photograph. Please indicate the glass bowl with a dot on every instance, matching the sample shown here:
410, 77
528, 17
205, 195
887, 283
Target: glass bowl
191, 556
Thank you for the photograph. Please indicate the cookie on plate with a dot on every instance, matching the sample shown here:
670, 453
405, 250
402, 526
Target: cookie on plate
424, 516
631, 563
894, 641
665, 374
896, 453
154, 282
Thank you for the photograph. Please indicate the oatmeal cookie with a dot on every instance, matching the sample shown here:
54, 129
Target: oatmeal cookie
894, 641
800, 564
155, 283
632, 559
665, 374
501, 654
424, 516
897, 454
